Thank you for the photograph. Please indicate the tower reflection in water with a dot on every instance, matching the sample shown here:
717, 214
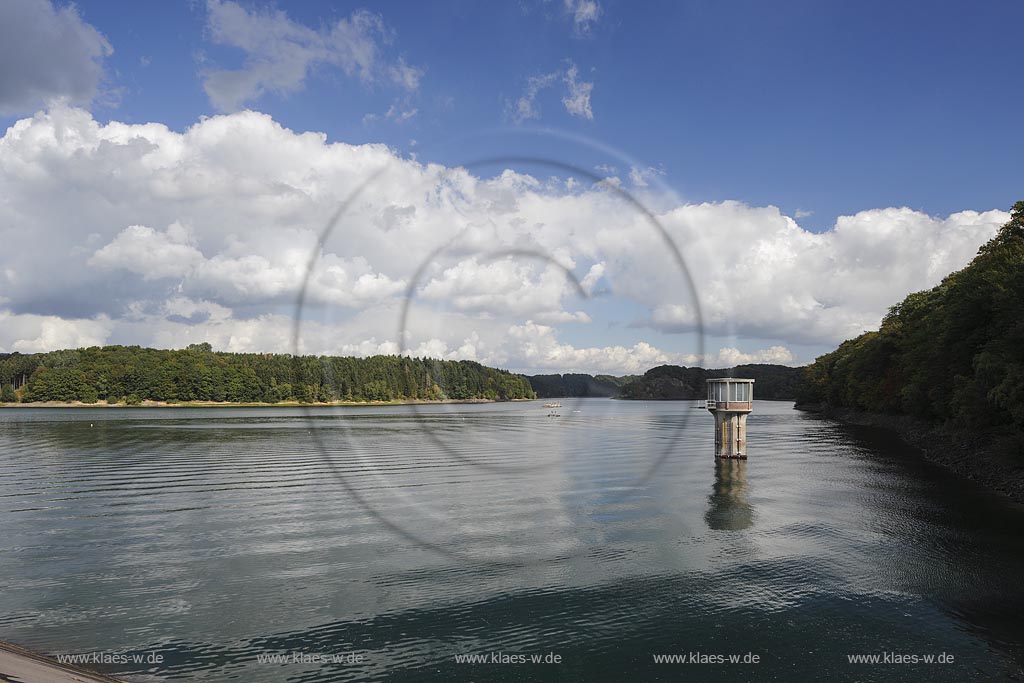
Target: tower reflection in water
728, 509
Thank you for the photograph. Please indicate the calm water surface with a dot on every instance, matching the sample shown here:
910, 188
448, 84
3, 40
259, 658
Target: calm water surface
408, 536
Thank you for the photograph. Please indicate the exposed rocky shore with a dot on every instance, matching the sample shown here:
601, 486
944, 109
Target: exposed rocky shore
988, 463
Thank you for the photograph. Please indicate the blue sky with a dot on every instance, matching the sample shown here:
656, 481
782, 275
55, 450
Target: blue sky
823, 107
901, 117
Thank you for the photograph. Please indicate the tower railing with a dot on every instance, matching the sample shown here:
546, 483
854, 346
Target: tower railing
730, 405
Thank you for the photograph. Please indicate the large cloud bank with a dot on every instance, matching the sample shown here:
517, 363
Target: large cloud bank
47, 53
138, 234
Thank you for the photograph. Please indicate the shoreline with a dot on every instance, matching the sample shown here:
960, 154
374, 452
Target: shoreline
280, 404
756, 398
960, 452
26, 665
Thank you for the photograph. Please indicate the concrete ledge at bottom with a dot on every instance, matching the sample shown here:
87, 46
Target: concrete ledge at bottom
19, 665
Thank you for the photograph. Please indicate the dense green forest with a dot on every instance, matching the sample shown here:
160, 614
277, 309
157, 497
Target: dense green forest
952, 355
577, 385
131, 374
672, 382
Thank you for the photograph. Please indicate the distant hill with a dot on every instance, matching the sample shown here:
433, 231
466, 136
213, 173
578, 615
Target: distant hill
131, 374
577, 385
673, 382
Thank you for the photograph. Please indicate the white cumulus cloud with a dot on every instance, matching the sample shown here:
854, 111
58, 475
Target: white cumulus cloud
149, 253
47, 53
28, 333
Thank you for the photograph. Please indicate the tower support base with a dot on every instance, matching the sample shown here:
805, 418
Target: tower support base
730, 434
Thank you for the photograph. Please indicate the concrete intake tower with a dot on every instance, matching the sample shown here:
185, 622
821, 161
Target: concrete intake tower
730, 400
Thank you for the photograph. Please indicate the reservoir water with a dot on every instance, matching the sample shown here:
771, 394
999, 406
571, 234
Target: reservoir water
252, 544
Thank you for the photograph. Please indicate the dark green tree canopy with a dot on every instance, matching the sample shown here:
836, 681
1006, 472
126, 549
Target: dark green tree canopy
197, 373
953, 354
676, 382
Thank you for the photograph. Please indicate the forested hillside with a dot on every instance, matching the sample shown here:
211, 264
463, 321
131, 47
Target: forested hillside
673, 382
132, 374
577, 385
952, 355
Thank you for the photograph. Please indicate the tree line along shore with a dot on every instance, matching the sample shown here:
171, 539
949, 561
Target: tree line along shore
132, 375
198, 375
945, 369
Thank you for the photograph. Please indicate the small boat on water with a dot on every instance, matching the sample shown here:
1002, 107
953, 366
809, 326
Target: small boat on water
553, 405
